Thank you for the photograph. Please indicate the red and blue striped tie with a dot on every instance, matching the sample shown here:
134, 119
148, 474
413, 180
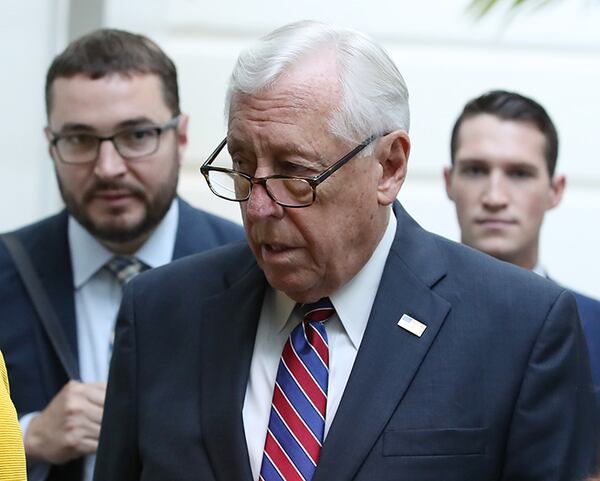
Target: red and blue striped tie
297, 420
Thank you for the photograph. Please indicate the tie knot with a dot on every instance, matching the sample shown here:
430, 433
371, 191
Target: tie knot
124, 268
319, 311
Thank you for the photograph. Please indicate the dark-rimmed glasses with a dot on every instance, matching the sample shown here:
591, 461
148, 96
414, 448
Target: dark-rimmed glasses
287, 191
131, 143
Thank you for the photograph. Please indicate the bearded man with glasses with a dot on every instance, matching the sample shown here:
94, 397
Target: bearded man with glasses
344, 342
117, 136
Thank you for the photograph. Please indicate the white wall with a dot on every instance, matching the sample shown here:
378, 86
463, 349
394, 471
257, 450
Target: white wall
29, 35
446, 58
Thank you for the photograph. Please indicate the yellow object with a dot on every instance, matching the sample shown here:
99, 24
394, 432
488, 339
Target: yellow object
12, 454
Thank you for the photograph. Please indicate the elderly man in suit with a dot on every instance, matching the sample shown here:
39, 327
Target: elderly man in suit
503, 180
344, 342
117, 136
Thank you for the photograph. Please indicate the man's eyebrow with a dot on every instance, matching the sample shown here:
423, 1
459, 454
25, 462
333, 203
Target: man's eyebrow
470, 161
136, 122
74, 126
522, 165
508, 165
294, 149
129, 123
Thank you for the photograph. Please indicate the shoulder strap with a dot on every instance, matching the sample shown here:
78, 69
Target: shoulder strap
41, 303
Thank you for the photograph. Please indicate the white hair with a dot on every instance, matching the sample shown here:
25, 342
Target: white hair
374, 95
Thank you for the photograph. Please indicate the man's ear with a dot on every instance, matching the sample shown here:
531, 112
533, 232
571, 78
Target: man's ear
182, 136
392, 151
557, 188
448, 182
49, 136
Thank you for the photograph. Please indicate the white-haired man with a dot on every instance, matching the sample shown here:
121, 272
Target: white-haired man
345, 342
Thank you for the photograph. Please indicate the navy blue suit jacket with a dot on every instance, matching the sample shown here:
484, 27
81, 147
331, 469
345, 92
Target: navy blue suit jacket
589, 313
497, 388
36, 374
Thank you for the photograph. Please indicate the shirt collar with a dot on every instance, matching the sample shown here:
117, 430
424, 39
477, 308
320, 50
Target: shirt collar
539, 270
88, 255
354, 300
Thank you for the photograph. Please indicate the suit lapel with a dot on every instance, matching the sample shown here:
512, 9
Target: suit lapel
190, 231
197, 232
229, 323
389, 356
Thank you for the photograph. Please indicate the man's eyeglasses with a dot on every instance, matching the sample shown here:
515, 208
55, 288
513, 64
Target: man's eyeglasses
288, 191
130, 143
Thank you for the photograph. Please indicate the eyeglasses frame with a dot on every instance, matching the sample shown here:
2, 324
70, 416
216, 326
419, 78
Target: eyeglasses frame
159, 129
312, 181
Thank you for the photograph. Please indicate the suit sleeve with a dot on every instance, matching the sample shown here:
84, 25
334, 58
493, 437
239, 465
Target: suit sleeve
553, 432
117, 457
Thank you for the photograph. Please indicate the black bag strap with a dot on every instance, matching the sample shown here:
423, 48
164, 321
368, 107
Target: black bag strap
41, 303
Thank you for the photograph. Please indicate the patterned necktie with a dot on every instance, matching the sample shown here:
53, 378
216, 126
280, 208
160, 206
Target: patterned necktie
125, 268
297, 421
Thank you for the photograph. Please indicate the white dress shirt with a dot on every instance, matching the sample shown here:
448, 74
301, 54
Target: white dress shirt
352, 303
97, 300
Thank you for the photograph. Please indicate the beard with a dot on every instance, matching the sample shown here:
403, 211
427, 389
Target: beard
114, 230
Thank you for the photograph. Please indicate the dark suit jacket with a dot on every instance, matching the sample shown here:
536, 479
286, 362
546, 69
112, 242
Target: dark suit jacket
589, 313
497, 388
36, 374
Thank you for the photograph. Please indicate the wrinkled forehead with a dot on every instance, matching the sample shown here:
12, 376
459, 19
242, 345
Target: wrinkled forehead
282, 104
291, 111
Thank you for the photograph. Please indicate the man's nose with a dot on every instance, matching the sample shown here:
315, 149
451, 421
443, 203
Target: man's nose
496, 195
260, 205
109, 163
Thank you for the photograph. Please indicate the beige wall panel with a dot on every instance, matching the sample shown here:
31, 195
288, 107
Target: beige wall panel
566, 23
28, 33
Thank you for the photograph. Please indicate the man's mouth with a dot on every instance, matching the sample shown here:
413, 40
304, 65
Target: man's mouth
114, 194
275, 248
275, 252
112, 197
493, 222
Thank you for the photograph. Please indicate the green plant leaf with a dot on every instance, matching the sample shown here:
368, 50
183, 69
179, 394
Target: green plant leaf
481, 8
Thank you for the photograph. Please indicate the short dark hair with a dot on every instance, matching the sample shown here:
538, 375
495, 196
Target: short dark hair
107, 51
511, 106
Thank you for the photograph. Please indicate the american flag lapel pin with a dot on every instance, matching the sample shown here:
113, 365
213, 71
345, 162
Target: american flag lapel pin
412, 325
